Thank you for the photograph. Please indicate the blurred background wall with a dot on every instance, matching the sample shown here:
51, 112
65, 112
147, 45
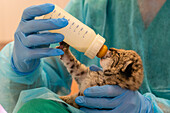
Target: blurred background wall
10, 15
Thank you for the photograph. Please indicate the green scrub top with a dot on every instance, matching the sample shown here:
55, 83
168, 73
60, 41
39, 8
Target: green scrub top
121, 24
43, 106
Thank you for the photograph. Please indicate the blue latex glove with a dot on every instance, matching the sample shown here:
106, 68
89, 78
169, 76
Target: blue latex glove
95, 68
113, 99
31, 45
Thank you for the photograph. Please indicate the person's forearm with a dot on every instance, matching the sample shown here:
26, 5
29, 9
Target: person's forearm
11, 83
160, 105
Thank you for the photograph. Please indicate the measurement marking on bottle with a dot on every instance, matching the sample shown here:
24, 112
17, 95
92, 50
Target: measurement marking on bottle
80, 30
52, 14
71, 25
76, 28
58, 15
85, 34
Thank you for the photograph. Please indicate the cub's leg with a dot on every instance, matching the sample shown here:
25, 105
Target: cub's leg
74, 67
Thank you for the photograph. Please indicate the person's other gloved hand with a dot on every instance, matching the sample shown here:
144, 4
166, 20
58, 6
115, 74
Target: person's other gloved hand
113, 99
30, 45
95, 68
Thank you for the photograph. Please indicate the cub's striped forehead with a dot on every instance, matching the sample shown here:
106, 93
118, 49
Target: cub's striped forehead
117, 50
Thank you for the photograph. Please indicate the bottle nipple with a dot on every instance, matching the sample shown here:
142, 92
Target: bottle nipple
102, 52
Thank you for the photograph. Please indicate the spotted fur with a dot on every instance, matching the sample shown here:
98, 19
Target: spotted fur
120, 67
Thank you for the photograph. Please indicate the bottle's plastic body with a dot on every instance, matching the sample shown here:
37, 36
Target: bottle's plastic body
77, 34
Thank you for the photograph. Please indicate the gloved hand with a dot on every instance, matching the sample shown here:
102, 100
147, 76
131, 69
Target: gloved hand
30, 45
95, 68
113, 99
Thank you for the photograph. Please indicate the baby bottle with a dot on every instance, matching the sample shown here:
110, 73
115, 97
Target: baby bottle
78, 35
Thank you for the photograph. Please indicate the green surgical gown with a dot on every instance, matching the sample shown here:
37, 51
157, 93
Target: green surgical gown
42, 106
120, 23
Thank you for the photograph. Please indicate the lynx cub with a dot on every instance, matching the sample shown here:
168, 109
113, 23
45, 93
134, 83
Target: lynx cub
120, 67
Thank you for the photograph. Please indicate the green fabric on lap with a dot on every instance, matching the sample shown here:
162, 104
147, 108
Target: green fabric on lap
43, 106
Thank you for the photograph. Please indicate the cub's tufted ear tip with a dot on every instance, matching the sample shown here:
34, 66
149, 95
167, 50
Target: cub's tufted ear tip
127, 69
127, 65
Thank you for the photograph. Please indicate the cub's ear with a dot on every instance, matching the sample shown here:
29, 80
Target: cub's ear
127, 68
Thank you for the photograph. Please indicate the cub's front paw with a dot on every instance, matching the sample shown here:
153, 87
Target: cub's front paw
63, 46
